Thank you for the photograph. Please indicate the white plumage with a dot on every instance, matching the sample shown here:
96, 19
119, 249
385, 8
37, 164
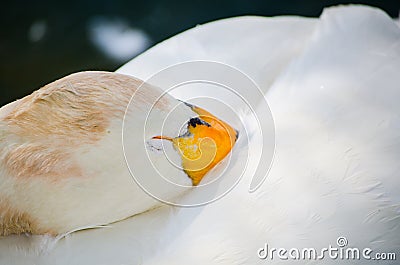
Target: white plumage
63, 166
332, 85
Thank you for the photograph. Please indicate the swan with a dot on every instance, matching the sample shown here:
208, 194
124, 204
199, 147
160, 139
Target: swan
332, 86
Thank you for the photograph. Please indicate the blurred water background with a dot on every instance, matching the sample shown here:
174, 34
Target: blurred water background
41, 41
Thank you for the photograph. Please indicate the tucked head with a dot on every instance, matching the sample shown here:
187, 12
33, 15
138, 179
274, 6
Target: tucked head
206, 142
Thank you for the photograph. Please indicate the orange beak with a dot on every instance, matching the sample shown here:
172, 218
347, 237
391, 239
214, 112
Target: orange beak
209, 140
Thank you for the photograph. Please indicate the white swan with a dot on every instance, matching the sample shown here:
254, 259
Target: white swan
334, 96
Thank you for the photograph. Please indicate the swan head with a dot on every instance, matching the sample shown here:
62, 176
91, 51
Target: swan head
206, 141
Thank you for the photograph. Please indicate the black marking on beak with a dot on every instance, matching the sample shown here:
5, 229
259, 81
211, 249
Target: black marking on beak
197, 121
237, 134
187, 104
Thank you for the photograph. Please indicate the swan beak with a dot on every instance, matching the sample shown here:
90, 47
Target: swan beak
207, 141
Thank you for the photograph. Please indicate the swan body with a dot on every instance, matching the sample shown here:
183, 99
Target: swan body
334, 98
62, 161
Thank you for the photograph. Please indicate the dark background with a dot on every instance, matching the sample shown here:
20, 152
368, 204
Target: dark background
65, 45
